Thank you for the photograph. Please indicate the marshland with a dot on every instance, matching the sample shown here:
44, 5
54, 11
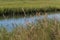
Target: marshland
29, 19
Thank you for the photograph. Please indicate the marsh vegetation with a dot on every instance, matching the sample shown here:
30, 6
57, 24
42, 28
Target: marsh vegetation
40, 20
42, 30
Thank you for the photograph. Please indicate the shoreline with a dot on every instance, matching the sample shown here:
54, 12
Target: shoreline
26, 11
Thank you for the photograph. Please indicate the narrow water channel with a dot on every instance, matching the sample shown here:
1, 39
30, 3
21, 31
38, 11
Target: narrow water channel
9, 23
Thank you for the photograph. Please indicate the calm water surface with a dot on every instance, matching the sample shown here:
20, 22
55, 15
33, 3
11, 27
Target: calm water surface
9, 23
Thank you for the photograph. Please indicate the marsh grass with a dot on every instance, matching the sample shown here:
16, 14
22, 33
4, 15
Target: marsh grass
15, 12
14, 7
43, 30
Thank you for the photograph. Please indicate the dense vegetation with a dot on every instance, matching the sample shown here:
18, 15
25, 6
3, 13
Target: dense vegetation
43, 30
29, 6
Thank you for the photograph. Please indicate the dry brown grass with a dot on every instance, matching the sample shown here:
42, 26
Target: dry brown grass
42, 30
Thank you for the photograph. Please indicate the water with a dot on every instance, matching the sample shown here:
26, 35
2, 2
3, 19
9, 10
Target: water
9, 23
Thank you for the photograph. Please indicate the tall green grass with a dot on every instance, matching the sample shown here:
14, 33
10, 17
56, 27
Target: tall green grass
30, 6
10, 7
10, 12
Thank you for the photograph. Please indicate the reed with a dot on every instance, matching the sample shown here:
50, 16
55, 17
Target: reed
10, 12
43, 30
14, 7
